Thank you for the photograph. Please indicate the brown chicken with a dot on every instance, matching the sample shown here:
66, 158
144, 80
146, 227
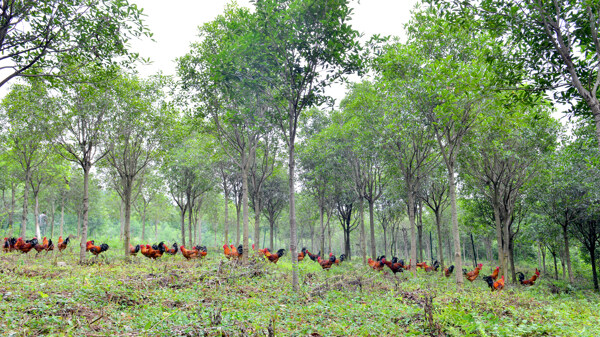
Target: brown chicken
495, 273
25, 246
237, 253
498, 285
377, 264
172, 250
302, 254
96, 250
435, 267
9, 244
530, 281
314, 257
326, 264
189, 253
134, 250
153, 253
448, 271
42, 247
227, 251
394, 265
472, 275
275, 257
62, 245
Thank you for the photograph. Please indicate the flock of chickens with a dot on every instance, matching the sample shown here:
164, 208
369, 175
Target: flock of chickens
492, 280
231, 252
25, 246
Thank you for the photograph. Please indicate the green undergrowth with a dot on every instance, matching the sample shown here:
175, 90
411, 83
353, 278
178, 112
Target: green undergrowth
216, 297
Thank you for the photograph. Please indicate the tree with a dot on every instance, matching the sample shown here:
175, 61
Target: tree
26, 131
555, 44
55, 38
435, 196
307, 44
134, 133
82, 115
275, 198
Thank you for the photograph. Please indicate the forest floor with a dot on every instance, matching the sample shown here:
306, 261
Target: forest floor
216, 297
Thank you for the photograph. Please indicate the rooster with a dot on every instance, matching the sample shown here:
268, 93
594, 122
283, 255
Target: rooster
172, 250
435, 267
45, 246
448, 271
202, 251
275, 257
155, 253
531, 281
25, 246
302, 254
472, 275
9, 244
96, 250
314, 257
394, 265
377, 264
421, 265
134, 250
189, 253
326, 264
62, 245
227, 251
237, 253
495, 273
263, 252
498, 285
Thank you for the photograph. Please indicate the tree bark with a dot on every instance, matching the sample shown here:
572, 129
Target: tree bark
420, 231
257, 222
245, 208
62, 216
594, 272
499, 238
36, 214
438, 225
226, 229
372, 225
25, 205
322, 241
86, 207
473, 247
271, 237
122, 217
455, 231
555, 265
237, 229
183, 210
413, 236
190, 210
127, 223
292, 187
511, 257
361, 224
567, 252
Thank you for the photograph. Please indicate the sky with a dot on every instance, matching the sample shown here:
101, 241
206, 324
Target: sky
175, 26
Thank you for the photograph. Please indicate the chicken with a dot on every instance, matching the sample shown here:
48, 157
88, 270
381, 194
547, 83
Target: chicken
25, 246
421, 265
377, 264
62, 245
302, 254
202, 251
9, 244
394, 265
189, 253
42, 247
495, 273
134, 250
472, 275
435, 267
172, 250
275, 257
155, 253
448, 271
531, 281
314, 257
96, 250
498, 285
237, 253
263, 252
326, 264
227, 251
340, 260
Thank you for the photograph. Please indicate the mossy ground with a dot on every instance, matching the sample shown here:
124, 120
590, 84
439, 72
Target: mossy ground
215, 297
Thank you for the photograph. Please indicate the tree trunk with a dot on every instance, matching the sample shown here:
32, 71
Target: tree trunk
455, 231
385, 247
237, 229
53, 208
271, 237
506, 240
122, 217
190, 210
127, 223
562, 263
567, 252
144, 224
555, 265
11, 213
473, 247
25, 204
413, 236
292, 187
488, 248
226, 229
594, 272
322, 241
257, 222
86, 207
430, 247
420, 230
361, 224
498, 223
62, 216
438, 225
183, 210
543, 251
372, 224
245, 208
511, 257
36, 214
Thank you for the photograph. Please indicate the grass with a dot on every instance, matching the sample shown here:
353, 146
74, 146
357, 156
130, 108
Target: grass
215, 297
